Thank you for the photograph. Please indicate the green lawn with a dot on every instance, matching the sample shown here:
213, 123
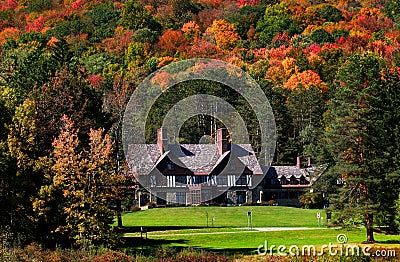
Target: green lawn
263, 216
182, 227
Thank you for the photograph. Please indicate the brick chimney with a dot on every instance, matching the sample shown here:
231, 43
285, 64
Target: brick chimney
310, 161
162, 140
298, 164
221, 141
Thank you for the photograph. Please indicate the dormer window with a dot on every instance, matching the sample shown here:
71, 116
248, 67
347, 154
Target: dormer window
170, 167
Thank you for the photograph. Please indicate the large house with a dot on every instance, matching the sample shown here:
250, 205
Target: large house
220, 172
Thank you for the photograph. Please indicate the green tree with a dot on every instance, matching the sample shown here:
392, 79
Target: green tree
276, 20
135, 16
354, 139
321, 36
306, 107
104, 18
330, 13
24, 178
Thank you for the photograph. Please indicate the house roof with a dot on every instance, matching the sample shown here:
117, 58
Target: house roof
198, 158
286, 171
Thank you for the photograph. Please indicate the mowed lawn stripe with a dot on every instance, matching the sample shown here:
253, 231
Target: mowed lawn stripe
262, 216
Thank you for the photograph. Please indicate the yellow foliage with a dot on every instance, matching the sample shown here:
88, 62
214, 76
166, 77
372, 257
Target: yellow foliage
224, 34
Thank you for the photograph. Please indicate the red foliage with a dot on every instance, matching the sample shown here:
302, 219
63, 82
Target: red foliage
280, 52
172, 41
8, 4
356, 43
328, 46
96, 80
77, 5
202, 48
373, 24
313, 48
206, 17
247, 2
118, 44
36, 25
389, 50
281, 39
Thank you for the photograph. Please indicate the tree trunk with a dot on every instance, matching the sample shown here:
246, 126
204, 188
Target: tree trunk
370, 229
119, 216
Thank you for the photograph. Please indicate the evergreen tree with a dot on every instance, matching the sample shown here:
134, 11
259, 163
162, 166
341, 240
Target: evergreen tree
354, 140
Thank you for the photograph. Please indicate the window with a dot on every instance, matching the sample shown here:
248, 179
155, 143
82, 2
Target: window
293, 181
283, 181
181, 198
242, 180
181, 180
200, 179
170, 166
222, 180
196, 197
240, 197
303, 181
274, 181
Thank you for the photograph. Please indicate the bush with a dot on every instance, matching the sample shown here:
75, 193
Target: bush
113, 256
135, 209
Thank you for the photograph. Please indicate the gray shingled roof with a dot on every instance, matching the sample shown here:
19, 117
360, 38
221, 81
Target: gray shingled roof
199, 158
287, 171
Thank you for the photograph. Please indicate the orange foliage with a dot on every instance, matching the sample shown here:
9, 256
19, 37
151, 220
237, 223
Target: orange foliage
172, 41
191, 30
36, 25
242, 3
305, 79
259, 53
224, 34
53, 42
165, 60
9, 32
275, 71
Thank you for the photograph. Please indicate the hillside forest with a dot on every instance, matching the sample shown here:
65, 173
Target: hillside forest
330, 69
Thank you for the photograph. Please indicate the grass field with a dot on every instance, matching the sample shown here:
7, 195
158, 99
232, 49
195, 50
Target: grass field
182, 227
236, 216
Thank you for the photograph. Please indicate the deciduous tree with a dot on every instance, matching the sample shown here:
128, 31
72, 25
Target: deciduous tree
73, 203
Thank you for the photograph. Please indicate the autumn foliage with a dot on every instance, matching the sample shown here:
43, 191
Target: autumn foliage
68, 68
